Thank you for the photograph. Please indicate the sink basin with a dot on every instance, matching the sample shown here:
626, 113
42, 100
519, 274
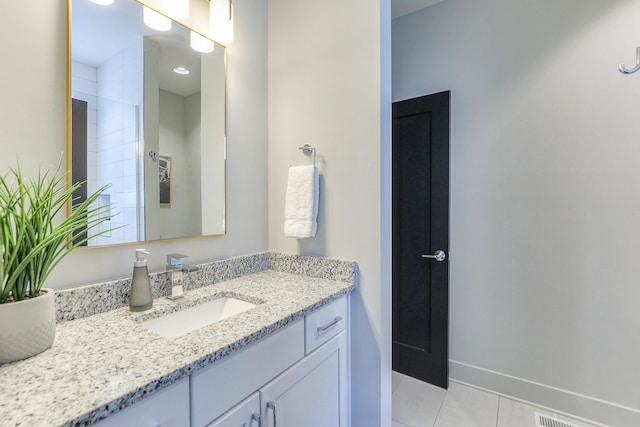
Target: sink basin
192, 318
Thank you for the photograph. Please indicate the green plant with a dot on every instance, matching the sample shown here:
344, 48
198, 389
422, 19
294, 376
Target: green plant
32, 244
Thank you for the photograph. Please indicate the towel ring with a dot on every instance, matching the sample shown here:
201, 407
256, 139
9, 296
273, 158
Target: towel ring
307, 150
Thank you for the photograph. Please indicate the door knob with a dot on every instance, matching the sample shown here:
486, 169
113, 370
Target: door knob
438, 256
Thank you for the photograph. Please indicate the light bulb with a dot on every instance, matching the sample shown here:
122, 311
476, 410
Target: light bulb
221, 21
177, 9
200, 43
155, 20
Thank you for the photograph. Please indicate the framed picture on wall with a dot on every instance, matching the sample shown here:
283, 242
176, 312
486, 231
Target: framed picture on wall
164, 170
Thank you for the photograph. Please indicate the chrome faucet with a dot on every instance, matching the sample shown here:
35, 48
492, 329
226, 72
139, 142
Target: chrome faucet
176, 268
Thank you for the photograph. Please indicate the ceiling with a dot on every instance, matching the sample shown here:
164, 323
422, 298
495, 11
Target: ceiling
404, 7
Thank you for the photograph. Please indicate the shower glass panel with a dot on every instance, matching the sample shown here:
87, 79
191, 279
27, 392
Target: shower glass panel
109, 133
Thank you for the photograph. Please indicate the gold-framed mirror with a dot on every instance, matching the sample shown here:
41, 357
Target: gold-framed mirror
147, 117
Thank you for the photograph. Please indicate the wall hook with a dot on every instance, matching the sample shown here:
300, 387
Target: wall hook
625, 70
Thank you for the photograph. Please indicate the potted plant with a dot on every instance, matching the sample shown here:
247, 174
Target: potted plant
34, 237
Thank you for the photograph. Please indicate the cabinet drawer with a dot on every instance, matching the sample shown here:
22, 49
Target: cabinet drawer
325, 323
166, 408
219, 387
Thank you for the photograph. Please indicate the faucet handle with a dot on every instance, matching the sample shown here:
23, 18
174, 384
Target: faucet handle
174, 261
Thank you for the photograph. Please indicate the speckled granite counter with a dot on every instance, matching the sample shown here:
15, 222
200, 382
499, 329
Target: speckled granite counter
106, 362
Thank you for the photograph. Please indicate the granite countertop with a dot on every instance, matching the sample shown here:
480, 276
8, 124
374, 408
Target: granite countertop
108, 361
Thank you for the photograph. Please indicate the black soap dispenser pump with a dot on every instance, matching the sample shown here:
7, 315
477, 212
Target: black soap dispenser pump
140, 298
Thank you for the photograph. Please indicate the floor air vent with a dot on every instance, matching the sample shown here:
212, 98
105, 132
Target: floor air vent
545, 421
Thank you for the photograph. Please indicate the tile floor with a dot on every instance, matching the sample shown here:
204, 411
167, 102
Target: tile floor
418, 404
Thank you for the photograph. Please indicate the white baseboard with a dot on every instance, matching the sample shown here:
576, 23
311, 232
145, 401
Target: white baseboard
555, 399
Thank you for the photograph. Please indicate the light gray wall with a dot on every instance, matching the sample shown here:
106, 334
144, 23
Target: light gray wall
545, 194
33, 125
325, 73
193, 153
212, 143
177, 219
27, 91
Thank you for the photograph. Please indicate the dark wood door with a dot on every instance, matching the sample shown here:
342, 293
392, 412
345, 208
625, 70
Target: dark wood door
421, 229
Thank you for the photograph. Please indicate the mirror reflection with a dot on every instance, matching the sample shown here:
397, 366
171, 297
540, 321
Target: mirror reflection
148, 118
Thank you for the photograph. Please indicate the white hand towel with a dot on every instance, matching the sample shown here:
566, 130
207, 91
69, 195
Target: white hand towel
301, 203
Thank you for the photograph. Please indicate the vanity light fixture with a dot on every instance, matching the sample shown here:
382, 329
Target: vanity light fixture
221, 20
181, 70
177, 9
155, 20
200, 43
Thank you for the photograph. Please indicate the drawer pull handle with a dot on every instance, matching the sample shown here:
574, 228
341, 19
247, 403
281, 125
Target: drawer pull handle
272, 406
255, 417
330, 324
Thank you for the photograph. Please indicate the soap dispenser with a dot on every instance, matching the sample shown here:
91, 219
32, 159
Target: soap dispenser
140, 298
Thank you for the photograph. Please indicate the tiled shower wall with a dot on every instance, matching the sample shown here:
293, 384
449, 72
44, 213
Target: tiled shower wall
114, 94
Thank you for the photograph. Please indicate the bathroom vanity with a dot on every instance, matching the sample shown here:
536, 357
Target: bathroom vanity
283, 361
287, 382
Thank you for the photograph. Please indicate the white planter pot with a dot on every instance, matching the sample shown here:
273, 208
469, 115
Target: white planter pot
27, 327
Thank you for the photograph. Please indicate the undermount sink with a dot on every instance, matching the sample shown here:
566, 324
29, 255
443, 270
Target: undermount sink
189, 319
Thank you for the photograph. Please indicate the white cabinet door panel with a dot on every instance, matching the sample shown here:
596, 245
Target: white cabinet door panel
312, 393
245, 414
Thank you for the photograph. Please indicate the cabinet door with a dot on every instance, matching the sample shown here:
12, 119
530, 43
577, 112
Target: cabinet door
244, 414
312, 393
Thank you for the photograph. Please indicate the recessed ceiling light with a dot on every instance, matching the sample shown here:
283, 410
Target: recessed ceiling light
181, 70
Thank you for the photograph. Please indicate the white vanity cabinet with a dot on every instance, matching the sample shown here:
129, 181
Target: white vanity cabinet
167, 408
298, 376
219, 387
312, 393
